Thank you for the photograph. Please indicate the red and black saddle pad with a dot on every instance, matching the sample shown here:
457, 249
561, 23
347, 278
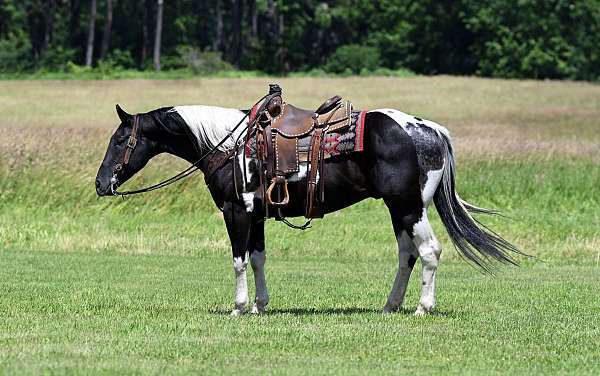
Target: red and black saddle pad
341, 141
346, 140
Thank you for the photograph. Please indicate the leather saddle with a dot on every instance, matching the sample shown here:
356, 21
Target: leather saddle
280, 127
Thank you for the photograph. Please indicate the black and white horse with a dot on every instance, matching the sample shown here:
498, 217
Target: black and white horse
407, 161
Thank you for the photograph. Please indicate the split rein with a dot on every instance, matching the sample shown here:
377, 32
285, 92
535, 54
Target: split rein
131, 143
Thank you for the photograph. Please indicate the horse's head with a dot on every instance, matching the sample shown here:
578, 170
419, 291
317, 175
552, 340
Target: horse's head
128, 151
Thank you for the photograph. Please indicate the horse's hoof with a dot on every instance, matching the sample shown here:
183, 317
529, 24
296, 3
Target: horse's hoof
389, 309
237, 312
257, 310
420, 312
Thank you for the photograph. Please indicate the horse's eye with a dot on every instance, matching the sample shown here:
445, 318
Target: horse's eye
121, 139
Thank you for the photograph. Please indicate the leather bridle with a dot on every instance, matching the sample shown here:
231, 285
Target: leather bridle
131, 144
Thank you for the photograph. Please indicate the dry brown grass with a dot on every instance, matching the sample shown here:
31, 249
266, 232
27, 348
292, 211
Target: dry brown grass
500, 117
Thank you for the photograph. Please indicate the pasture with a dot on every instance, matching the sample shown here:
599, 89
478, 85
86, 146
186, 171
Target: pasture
143, 285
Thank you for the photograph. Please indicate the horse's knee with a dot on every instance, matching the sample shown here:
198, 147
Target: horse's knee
257, 260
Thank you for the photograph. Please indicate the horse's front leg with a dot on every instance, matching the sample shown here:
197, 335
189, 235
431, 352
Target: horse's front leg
258, 256
238, 221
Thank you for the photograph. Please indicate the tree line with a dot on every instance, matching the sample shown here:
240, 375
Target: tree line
499, 38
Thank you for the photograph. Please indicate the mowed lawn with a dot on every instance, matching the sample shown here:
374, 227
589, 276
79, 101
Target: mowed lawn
163, 314
145, 285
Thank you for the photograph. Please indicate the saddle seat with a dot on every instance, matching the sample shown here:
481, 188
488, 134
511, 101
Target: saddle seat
294, 124
282, 127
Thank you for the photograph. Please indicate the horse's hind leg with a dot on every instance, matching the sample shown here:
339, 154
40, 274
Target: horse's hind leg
407, 256
412, 224
429, 250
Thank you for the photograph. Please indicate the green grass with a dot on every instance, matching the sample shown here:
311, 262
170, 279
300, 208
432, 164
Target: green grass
114, 313
145, 285
552, 208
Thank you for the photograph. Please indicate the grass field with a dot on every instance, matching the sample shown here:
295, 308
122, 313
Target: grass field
145, 285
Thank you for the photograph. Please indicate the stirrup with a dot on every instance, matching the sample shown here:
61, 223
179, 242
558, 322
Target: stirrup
286, 195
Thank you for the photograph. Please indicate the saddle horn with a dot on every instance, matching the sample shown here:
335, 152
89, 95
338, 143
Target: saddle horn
329, 105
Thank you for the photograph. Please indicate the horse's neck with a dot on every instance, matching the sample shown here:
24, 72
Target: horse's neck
212, 126
177, 140
203, 128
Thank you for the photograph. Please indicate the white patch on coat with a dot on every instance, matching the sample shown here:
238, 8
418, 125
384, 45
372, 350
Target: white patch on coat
301, 174
248, 201
422, 230
241, 285
210, 125
402, 119
244, 161
433, 180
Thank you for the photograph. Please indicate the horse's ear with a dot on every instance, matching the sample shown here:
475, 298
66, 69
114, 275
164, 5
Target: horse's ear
124, 116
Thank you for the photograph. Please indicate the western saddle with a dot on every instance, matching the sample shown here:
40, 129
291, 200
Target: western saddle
279, 129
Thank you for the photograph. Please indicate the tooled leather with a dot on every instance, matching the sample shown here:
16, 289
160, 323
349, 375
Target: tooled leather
283, 135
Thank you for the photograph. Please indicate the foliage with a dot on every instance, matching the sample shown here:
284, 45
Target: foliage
514, 41
77, 70
499, 38
56, 58
202, 62
15, 52
354, 58
119, 59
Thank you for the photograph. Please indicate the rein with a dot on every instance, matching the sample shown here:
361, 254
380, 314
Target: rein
132, 142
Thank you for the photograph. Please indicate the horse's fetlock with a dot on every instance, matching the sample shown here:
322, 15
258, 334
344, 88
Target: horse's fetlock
241, 302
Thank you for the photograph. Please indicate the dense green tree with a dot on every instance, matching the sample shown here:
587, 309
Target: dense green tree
500, 38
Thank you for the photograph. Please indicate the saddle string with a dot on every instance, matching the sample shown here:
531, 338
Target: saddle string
191, 169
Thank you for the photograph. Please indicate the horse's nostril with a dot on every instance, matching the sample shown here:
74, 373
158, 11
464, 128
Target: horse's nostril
97, 183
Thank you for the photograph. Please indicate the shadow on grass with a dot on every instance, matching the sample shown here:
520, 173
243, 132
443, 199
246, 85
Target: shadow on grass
295, 311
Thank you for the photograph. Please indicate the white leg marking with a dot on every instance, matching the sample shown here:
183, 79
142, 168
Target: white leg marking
406, 249
241, 285
248, 201
429, 251
257, 260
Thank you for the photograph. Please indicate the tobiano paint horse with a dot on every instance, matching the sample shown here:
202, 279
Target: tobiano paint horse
407, 161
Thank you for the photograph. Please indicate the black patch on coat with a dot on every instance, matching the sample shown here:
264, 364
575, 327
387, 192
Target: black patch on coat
411, 261
429, 148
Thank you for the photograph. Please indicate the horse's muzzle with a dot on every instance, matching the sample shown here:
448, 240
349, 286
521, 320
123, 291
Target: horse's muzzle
106, 189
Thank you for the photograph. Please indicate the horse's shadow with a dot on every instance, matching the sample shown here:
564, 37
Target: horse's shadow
344, 311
